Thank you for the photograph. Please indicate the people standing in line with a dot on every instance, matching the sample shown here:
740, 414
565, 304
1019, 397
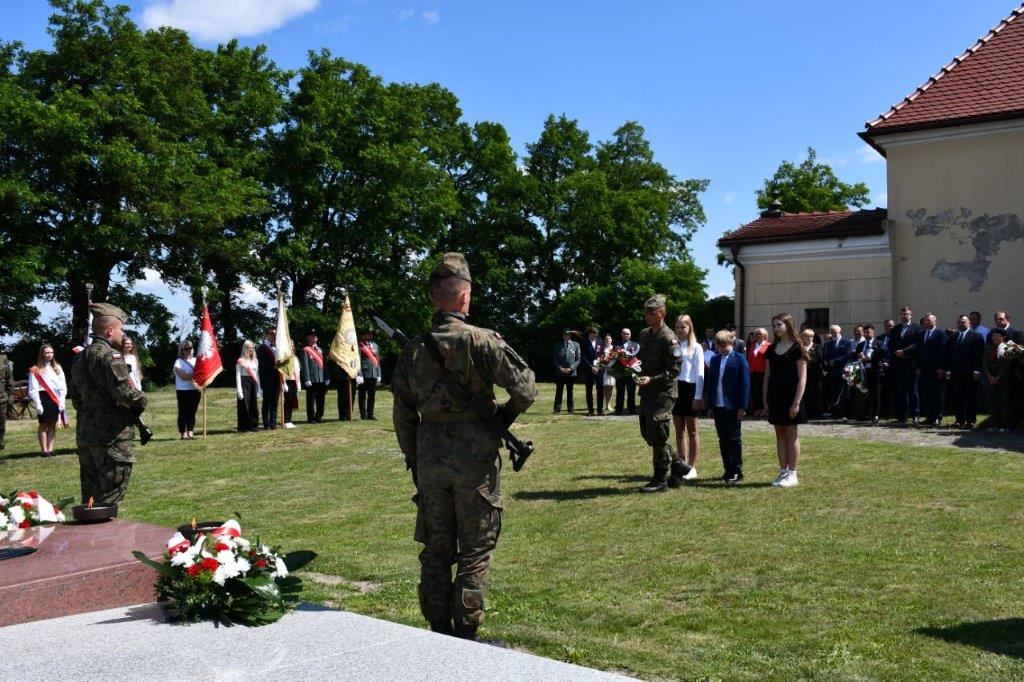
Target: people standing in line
835, 355
270, 378
369, 369
48, 389
997, 374
605, 379
976, 325
690, 392
6, 395
785, 382
566, 360
314, 379
625, 389
812, 392
883, 373
964, 355
660, 360
929, 351
292, 386
590, 353
132, 359
901, 364
187, 393
756, 359
247, 387
728, 383
867, 353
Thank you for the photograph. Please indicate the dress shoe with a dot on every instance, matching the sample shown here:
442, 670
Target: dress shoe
654, 486
733, 479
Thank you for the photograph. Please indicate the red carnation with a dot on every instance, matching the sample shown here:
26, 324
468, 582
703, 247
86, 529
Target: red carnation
25, 524
260, 563
210, 564
220, 547
193, 570
252, 553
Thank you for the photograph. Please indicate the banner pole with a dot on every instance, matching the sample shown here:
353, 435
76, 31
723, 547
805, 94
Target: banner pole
204, 413
351, 417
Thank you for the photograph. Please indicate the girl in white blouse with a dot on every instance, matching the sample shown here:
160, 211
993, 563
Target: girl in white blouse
131, 358
48, 389
691, 393
247, 386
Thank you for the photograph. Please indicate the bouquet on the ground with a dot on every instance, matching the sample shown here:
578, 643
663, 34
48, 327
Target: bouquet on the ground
621, 365
27, 509
225, 577
855, 376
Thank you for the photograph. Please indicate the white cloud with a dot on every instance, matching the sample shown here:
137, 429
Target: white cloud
729, 197
430, 16
869, 155
150, 281
251, 295
405, 14
224, 19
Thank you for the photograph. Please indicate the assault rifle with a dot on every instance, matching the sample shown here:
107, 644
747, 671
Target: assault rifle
492, 415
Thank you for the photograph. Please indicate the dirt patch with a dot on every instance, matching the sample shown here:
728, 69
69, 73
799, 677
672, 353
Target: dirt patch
360, 586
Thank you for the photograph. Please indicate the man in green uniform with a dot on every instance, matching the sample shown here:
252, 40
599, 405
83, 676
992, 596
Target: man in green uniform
660, 360
6, 395
452, 453
107, 406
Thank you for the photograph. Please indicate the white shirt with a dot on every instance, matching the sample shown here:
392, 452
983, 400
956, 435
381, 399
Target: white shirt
185, 366
56, 382
240, 370
135, 369
720, 394
692, 371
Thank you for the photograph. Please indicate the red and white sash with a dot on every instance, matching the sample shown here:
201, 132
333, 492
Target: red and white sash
367, 350
248, 370
316, 355
50, 392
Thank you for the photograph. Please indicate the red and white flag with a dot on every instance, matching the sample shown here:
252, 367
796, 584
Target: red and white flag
208, 364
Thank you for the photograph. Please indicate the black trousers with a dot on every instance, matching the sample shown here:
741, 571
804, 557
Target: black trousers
963, 393
590, 380
905, 399
271, 395
730, 440
624, 388
567, 383
834, 399
346, 389
884, 395
248, 406
932, 395
3, 422
315, 396
367, 398
188, 403
291, 400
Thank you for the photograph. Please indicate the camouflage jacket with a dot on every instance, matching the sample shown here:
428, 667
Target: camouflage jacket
6, 381
661, 359
102, 393
430, 421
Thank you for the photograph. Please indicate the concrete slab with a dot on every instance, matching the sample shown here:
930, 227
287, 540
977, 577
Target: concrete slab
313, 643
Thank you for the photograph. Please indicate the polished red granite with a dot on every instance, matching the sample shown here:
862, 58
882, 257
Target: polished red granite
78, 569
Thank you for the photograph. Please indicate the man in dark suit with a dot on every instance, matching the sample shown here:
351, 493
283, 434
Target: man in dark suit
901, 365
929, 351
883, 372
1002, 321
728, 388
834, 357
590, 351
626, 387
964, 351
566, 361
866, 404
270, 379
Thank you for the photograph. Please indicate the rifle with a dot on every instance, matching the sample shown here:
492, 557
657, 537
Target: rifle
518, 451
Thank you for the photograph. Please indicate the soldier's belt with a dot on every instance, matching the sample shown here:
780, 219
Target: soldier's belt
449, 417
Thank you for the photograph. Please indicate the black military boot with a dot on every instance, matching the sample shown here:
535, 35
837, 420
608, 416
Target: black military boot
443, 627
656, 485
679, 468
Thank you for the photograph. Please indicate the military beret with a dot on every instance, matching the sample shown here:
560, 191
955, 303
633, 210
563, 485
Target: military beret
655, 302
452, 265
107, 310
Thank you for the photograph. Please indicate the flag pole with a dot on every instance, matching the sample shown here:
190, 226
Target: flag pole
202, 292
283, 381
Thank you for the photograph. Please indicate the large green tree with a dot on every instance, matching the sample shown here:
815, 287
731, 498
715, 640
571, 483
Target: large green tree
811, 186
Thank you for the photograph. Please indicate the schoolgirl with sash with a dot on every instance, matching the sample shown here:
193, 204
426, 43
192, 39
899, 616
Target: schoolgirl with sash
247, 385
48, 389
188, 394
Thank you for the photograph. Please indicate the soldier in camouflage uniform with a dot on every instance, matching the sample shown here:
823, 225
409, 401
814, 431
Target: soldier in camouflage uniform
107, 406
6, 394
660, 360
453, 455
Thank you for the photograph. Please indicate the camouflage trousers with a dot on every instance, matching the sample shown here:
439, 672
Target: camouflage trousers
104, 471
655, 431
458, 521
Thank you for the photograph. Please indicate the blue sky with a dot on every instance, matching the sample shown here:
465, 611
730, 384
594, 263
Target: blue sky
726, 90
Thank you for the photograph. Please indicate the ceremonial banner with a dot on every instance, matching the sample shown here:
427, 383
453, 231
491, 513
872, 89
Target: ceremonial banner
344, 348
208, 364
283, 343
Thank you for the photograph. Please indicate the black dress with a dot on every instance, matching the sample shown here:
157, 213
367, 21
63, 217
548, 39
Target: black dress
782, 381
812, 392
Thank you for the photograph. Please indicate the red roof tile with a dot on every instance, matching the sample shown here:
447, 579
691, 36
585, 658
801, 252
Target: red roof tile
797, 226
984, 83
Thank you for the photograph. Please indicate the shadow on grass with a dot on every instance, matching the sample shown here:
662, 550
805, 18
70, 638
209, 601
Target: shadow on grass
986, 439
714, 483
623, 478
566, 495
37, 454
1004, 636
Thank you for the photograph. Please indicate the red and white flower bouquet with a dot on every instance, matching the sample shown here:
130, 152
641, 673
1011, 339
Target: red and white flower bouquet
27, 509
621, 365
225, 577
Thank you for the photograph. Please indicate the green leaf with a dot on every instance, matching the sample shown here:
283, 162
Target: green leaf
158, 566
296, 560
264, 587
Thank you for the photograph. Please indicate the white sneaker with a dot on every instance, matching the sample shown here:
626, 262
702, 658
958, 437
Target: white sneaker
691, 475
790, 480
778, 479
289, 425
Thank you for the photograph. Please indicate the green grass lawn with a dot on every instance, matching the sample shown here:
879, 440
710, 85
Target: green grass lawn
885, 563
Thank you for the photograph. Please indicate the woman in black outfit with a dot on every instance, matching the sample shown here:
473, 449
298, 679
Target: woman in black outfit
785, 380
815, 377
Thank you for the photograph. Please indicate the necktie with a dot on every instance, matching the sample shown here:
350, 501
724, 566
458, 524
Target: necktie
927, 335
959, 339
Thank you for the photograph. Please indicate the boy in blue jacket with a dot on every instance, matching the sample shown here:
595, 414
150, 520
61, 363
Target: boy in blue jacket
728, 388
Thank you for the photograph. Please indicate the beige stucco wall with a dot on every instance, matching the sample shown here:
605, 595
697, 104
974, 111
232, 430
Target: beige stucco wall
956, 212
855, 290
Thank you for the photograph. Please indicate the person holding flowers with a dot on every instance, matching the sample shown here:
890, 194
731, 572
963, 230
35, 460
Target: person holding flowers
996, 367
48, 389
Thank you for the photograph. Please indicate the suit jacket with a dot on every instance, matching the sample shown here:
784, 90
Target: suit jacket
898, 340
879, 352
267, 366
631, 346
567, 354
930, 355
964, 355
836, 355
735, 381
588, 353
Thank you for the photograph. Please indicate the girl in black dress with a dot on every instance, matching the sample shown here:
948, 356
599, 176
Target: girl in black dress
784, 382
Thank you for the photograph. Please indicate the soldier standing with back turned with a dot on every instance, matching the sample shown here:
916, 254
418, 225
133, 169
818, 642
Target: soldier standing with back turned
660, 360
107, 407
453, 455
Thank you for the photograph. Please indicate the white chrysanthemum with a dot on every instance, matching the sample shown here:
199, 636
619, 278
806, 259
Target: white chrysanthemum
60, 517
5, 522
17, 514
4, 501
280, 569
186, 558
242, 543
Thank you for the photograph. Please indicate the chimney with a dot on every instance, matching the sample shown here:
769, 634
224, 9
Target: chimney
773, 211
